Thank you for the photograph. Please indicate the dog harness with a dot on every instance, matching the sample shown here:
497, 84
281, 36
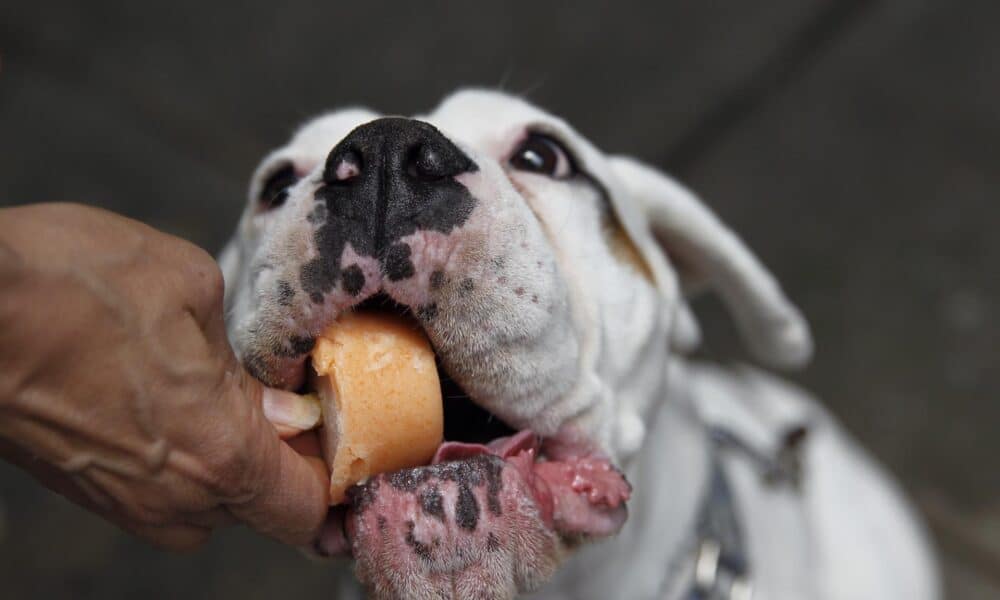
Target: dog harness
715, 565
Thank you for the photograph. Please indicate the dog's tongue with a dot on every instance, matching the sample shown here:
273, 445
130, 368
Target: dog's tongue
577, 495
504, 447
480, 519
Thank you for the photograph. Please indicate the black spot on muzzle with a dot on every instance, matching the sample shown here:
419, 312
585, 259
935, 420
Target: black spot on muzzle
387, 179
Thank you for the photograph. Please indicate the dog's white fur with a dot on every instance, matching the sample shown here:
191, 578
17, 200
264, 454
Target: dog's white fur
612, 361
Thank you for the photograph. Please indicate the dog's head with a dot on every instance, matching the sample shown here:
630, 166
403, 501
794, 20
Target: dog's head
550, 279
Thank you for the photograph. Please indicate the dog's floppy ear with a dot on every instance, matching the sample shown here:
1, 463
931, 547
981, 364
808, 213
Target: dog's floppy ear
708, 255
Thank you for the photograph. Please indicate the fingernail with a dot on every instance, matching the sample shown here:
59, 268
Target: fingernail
291, 410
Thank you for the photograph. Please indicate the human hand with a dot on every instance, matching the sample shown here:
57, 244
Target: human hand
119, 390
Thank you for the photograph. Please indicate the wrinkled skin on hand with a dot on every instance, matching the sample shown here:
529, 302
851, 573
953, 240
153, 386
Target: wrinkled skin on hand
119, 390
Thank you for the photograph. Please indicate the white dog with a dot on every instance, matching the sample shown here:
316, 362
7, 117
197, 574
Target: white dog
553, 280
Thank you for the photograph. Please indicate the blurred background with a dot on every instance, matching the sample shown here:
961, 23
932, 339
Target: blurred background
854, 144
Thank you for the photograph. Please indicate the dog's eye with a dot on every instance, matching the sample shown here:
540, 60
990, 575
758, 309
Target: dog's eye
275, 190
542, 154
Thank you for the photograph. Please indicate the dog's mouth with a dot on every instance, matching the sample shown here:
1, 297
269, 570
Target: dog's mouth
492, 495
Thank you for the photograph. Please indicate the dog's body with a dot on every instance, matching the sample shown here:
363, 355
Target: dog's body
536, 266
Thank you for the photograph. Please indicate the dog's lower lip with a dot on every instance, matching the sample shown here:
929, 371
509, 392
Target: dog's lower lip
577, 493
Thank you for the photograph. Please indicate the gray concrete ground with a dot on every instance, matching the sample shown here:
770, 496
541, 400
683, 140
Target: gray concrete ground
853, 143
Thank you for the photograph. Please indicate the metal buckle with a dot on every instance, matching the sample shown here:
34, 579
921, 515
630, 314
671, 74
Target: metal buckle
706, 565
741, 589
706, 574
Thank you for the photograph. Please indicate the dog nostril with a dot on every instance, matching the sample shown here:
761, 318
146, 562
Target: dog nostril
344, 166
427, 163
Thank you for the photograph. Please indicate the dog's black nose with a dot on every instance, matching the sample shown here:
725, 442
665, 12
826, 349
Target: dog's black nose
386, 180
394, 148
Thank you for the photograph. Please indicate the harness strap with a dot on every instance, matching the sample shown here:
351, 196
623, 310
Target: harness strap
717, 566
721, 567
714, 564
